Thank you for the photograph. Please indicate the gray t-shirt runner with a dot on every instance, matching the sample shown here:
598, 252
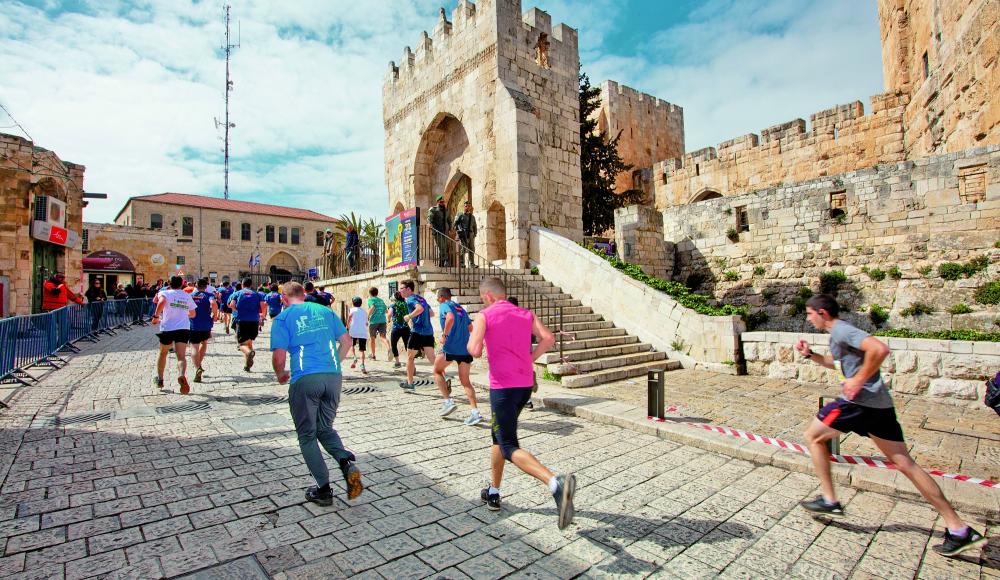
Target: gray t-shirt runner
845, 346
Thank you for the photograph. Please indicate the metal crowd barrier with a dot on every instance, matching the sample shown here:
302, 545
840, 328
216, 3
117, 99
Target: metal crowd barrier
35, 340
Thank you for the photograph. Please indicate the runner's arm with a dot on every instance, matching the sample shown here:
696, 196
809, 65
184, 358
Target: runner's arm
278, 356
416, 312
545, 337
263, 310
476, 337
344, 344
159, 309
876, 352
805, 350
449, 321
215, 310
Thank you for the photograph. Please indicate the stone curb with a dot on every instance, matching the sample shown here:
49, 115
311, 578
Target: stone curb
965, 497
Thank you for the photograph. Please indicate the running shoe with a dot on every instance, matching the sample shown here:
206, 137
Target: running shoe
819, 506
475, 418
363, 371
396, 365
955, 545
565, 489
352, 477
320, 496
249, 358
447, 407
198, 373
185, 387
373, 357
529, 406
407, 386
492, 500
354, 363
158, 382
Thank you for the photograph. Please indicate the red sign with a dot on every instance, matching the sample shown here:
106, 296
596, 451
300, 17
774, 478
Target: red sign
54, 234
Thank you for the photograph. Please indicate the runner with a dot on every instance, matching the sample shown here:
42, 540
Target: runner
274, 301
866, 408
534, 387
455, 336
400, 330
249, 308
506, 331
174, 310
313, 295
357, 322
311, 333
422, 334
225, 293
206, 312
376, 319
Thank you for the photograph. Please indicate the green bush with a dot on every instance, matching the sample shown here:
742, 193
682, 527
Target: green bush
878, 315
678, 345
941, 334
768, 293
950, 270
759, 270
829, 282
926, 271
682, 294
799, 304
731, 275
874, 274
917, 309
551, 376
732, 234
988, 293
960, 308
895, 273
996, 244
954, 270
534, 270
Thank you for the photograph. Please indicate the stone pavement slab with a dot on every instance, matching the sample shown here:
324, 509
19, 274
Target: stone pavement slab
185, 494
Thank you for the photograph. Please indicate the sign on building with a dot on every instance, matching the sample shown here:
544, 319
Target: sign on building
401, 238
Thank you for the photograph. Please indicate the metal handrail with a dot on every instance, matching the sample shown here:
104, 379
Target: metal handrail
367, 258
470, 274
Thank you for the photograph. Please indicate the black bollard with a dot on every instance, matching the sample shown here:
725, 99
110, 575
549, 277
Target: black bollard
654, 395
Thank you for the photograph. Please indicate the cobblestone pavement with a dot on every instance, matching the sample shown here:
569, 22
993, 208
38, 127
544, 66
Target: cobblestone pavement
941, 435
210, 485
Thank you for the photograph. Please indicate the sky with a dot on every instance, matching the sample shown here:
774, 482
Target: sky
132, 89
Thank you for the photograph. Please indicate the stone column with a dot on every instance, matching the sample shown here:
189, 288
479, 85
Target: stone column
639, 240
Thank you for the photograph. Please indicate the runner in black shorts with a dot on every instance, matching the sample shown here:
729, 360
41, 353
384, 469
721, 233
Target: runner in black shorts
866, 409
422, 335
455, 336
174, 310
250, 309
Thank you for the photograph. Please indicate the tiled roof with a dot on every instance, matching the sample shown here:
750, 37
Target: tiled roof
232, 205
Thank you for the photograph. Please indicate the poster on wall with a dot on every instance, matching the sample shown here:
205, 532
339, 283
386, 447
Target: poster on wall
401, 238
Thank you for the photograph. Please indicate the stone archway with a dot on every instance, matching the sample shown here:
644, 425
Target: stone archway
442, 147
705, 195
496, 232
399, 207
458, 191
284, 261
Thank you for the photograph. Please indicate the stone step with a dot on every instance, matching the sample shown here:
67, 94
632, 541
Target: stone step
605, 363
617, 374
572, 327
552, 321
571, 345
594, 352
597, 333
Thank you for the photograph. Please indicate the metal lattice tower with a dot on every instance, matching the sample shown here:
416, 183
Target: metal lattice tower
228, 48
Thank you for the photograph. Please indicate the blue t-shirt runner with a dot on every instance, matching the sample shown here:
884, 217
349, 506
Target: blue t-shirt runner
247, 305
274, 304
457, 341
309, 333
225, 293
202, 320
422, 322
443, 310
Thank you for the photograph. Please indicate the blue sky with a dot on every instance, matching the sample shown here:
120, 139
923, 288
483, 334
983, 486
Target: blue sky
130, 89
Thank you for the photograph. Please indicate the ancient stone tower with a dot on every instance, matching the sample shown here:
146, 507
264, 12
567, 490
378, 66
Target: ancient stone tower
486, 109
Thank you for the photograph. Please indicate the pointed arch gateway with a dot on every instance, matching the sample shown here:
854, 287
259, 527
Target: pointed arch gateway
442, 147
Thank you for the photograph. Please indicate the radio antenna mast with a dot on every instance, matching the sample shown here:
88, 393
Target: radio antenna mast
228, 48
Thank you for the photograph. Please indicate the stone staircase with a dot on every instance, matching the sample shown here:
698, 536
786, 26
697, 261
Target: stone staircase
594, 351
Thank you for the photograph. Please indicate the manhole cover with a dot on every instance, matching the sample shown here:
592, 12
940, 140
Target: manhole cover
90, 418
265, 400
360, 390
182, 408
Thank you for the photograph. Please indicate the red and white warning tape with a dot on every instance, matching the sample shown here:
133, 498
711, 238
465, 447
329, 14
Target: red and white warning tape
848, 459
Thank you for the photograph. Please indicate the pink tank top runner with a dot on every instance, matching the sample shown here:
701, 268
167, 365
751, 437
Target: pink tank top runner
508, 345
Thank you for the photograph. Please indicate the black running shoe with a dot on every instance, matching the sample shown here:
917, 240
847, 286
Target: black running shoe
319, 496
253, 353
819, 506
352, 477
492, 500
158, 381
566, 487
955, 545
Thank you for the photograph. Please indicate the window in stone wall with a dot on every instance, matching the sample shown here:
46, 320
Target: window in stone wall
282, 235
187, 226
296, 236
972, 183
86, 240
319, 238
742, 219
838, 204
697, 169
181, 260
269, 234
155, 221
225, 230
927, 65
245, 232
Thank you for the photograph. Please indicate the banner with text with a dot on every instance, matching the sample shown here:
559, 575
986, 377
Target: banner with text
401, 238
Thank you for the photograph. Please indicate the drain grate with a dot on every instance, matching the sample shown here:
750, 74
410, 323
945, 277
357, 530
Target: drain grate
89, 418
265, 400
360, 390
182, 408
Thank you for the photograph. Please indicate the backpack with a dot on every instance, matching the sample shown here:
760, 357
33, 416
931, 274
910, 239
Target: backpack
992, 398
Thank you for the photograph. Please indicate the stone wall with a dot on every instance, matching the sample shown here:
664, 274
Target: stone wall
492, 95
943, 370
639, 239
912, 216
943, 55
837, 140
27, 171
150, 250
650, 129
346, 288
709, 342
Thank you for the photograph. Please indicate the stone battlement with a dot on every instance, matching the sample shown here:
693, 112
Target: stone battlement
637, 96
836, 140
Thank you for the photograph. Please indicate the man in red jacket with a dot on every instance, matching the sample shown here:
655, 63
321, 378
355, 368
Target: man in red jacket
56, 294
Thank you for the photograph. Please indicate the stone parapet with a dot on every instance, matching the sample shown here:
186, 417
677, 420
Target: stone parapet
639, 238
710, 342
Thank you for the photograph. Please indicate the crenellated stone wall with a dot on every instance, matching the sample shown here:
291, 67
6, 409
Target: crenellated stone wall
639, 238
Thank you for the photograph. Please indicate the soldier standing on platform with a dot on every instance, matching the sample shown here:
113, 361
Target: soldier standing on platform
465, 226
437, 217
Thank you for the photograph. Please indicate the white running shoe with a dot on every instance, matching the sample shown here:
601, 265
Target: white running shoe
447, 407
475, 418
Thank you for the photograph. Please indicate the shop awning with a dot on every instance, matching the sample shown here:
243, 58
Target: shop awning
108, 261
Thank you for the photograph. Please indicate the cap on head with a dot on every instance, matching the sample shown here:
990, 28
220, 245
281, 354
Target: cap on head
440, 198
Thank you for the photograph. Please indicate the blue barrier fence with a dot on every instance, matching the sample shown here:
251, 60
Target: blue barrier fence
35, 340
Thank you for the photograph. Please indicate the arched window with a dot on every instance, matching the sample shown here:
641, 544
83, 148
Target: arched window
706, 195
156, 221
225, 230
